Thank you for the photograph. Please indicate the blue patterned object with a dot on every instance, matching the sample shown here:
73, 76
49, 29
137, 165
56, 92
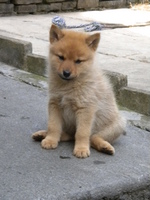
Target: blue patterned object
94, 26
59, 21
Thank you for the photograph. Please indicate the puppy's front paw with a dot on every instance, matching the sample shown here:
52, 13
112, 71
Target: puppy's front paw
81, 152
48, 143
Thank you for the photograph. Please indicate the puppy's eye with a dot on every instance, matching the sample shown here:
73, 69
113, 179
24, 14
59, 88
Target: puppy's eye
61, 57
78, 61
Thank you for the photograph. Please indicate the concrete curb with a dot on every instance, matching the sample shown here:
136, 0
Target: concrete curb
19, 54
136, 100
14, 51
36, 64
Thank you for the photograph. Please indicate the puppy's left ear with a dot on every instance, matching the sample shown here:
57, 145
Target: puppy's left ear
93, 41
55, 34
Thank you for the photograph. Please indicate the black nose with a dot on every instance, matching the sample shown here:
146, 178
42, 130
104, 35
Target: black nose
66, 73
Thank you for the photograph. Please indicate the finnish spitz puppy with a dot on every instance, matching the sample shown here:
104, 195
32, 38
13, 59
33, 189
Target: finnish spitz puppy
82, 106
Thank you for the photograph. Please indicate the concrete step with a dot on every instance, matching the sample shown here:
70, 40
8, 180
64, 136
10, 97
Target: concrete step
131, 98
136, 100
30, 172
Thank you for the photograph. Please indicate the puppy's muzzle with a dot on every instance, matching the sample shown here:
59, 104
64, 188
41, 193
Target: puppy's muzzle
66, 75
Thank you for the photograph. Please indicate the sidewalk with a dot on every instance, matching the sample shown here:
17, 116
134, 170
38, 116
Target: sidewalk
29, 172
123, 50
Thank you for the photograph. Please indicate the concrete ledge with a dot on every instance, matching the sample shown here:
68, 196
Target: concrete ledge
14, 52
19, 54
136, 100
36, 64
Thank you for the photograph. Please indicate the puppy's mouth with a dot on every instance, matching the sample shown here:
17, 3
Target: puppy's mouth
66, 78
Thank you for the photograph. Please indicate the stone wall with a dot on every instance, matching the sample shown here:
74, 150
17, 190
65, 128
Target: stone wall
13, 7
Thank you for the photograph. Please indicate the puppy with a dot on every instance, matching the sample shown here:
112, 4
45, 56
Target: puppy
82, 105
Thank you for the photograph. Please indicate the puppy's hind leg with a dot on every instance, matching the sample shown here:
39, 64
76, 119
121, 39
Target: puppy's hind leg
39, 135
101, 140
100, 144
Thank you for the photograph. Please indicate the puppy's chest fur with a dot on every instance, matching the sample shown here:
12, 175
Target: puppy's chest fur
69, 104
68, 108
76, 98
70, 101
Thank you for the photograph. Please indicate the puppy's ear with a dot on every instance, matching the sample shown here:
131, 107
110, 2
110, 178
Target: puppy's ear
55, 34
93, 40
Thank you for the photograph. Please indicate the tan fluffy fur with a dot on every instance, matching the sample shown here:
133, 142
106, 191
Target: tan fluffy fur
82, 107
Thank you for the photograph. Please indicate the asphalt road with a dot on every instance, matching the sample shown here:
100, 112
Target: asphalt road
28, 172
